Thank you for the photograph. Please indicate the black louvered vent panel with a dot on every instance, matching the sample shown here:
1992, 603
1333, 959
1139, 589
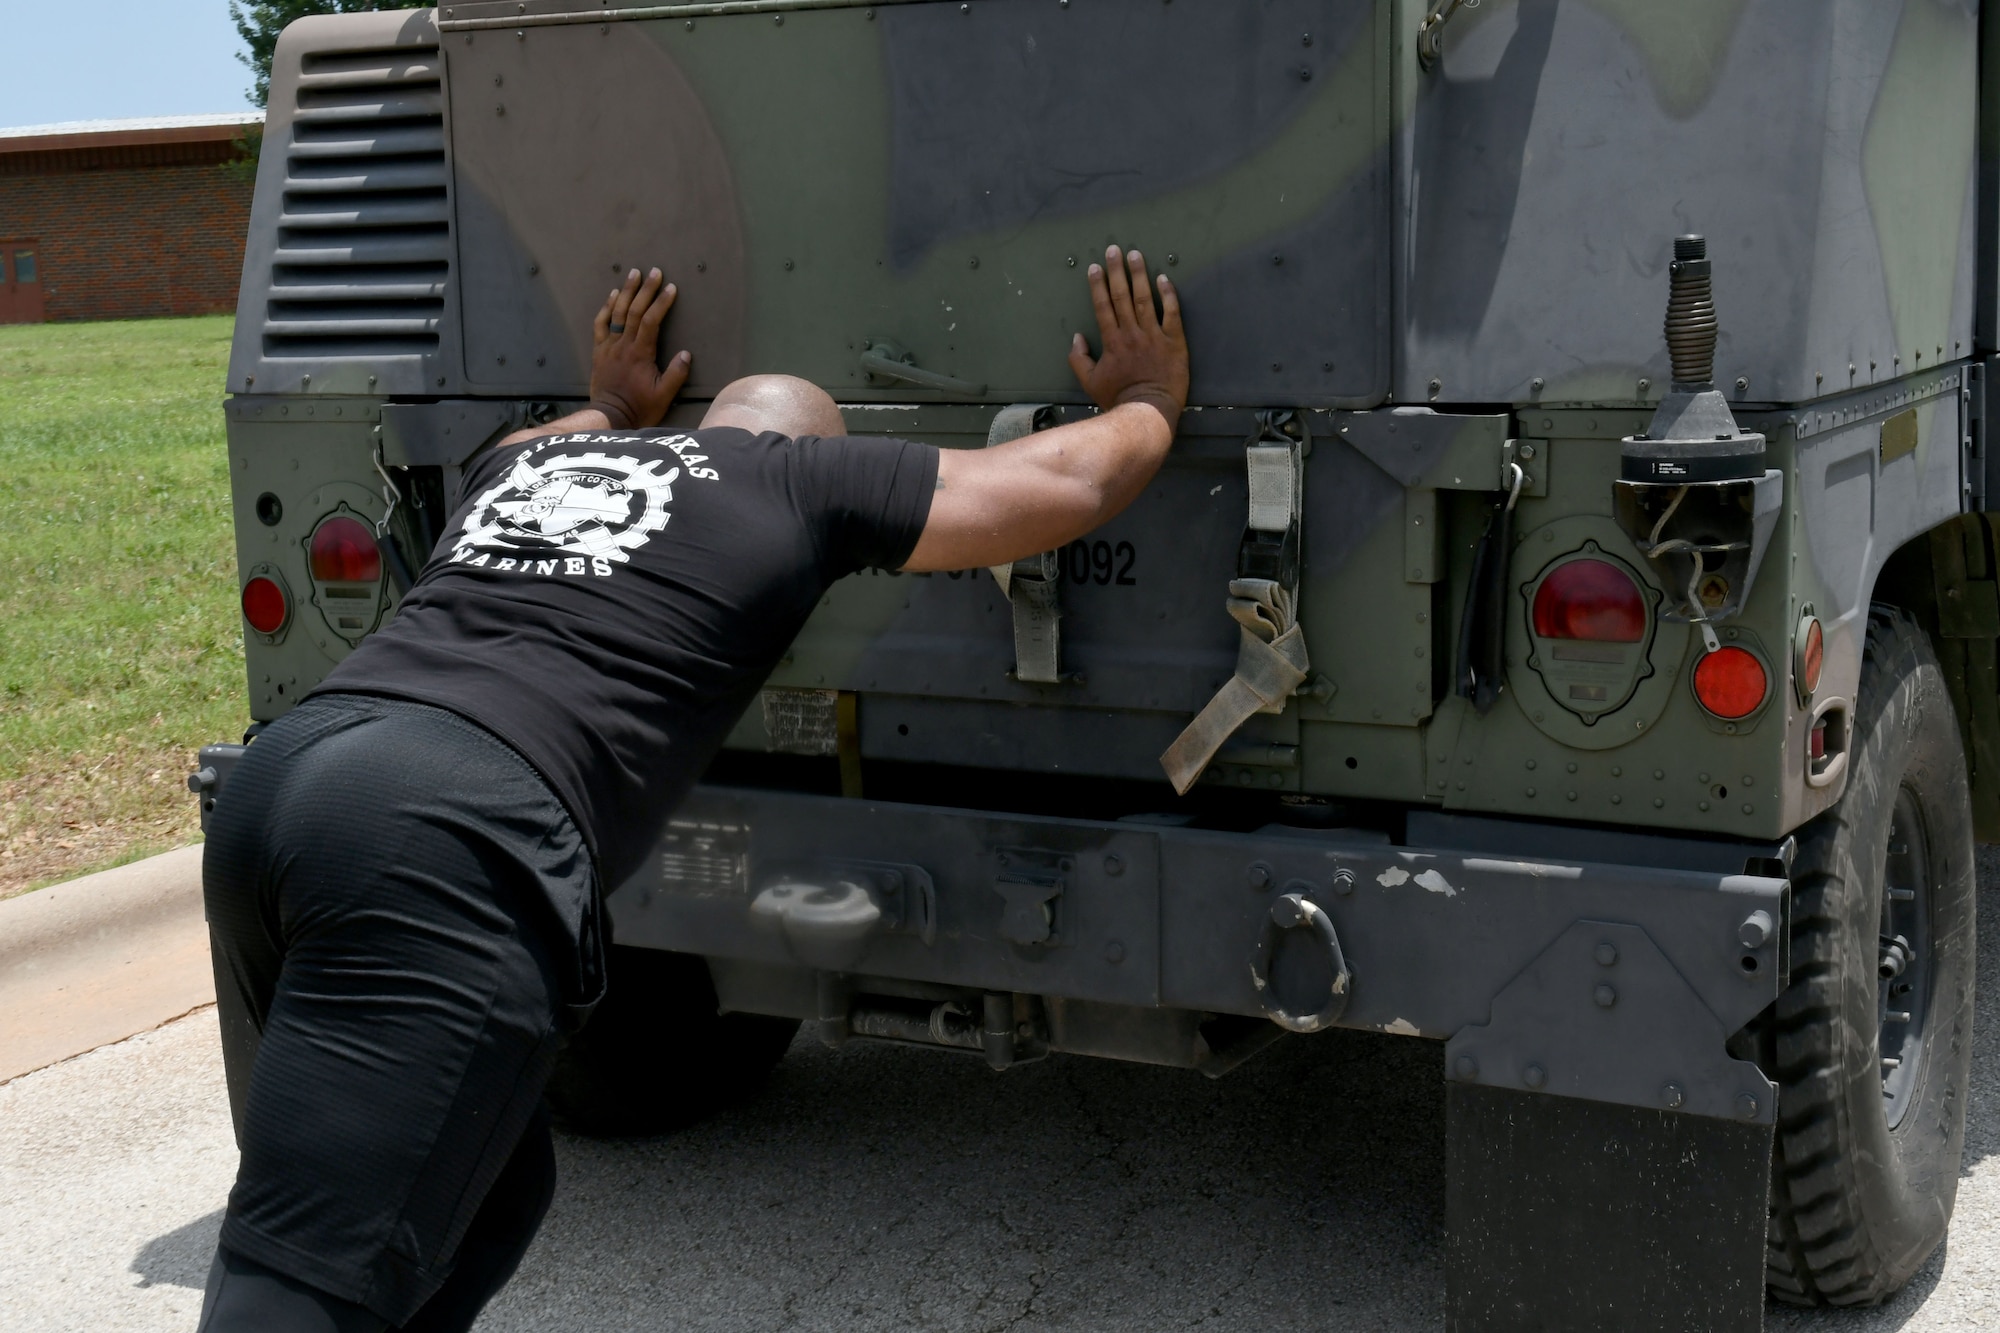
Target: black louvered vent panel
364, 243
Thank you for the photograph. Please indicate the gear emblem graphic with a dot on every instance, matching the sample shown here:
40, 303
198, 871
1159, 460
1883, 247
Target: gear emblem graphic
571, 504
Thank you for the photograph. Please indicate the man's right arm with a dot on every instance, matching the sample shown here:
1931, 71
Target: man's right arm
626, 389
1044, 490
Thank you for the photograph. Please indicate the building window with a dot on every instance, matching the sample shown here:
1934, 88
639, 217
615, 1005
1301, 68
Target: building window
24, 266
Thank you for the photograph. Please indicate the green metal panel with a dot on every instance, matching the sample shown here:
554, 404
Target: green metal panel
827, 181
315, 458
817, 180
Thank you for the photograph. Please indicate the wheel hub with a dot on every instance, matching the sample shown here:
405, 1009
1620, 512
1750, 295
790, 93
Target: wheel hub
1903, 966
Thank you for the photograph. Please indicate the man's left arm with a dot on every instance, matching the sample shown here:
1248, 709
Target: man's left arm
627, 390
1037, 493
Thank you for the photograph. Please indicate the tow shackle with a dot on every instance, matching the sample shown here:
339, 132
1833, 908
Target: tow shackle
1294, 911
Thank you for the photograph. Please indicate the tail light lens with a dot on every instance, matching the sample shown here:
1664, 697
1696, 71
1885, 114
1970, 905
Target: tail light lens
1592, 600
1811, 657
1731, 683
265, 605
344, 551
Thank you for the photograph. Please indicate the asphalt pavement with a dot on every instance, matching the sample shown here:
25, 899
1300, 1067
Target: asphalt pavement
880, 1188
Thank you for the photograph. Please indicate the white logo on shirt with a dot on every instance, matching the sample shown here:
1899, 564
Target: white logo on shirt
552, 516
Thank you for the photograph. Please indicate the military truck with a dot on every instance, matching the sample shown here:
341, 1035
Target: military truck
1564, 632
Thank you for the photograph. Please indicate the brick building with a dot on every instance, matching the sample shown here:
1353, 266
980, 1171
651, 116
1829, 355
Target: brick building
123, 219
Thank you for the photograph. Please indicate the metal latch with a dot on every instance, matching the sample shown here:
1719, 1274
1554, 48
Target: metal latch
889, 363
1274, 458
1430, 32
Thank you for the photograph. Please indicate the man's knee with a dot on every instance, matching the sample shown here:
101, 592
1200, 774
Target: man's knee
498, 1237
246, 1297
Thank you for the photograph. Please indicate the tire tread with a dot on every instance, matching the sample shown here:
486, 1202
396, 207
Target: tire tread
1820, 1250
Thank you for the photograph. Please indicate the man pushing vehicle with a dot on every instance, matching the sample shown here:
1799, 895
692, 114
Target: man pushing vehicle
404, 881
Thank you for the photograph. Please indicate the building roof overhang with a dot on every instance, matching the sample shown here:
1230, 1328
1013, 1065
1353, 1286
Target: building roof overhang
95, 144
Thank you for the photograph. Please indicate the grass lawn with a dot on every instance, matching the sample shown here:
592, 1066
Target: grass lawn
121, 649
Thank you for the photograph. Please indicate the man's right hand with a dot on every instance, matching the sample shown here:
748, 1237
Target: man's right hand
1145, 356
627, 389
625, 384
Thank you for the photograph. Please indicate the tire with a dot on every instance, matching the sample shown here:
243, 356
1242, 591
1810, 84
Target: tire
1866, 1158
656, 1056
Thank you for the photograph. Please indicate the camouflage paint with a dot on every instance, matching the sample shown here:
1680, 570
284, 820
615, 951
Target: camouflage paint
1450, 238
834, 231
1825, 149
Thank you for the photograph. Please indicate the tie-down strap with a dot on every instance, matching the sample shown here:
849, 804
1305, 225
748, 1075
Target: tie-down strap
1032, 585
1270, 664
1276, 467
1271, 657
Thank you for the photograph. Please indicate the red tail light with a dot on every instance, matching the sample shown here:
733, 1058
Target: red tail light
1590, 599
264, 605
1731, 683
344, 551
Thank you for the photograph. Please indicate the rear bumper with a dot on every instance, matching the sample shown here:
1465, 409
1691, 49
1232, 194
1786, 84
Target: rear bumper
1617, 981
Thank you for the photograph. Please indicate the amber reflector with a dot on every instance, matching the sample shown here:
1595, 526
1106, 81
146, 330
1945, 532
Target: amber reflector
1730, 682
264, 605
343, 551
1811, 658
1590, 599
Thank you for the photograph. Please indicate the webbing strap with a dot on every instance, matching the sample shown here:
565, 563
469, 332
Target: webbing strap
1275, 464
1034, 591
1032, 585
1271, 662
1271, 659
1273, 497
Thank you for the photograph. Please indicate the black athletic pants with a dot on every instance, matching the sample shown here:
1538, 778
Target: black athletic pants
405, 931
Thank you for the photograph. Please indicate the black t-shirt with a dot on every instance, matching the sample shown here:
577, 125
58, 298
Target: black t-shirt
609, 604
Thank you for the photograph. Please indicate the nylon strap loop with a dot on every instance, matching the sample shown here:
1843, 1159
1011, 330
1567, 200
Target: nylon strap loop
1273, 494
1271, 661
1032, 585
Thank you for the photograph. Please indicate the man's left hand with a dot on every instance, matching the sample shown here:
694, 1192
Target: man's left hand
624, 383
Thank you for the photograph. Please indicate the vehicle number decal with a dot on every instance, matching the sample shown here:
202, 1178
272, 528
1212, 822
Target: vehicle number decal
1100, 562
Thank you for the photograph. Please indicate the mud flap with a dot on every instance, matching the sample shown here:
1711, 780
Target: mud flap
232, 1007
1566, 1214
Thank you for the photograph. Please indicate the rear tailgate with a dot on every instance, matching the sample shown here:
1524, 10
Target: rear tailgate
934, 177
928, 175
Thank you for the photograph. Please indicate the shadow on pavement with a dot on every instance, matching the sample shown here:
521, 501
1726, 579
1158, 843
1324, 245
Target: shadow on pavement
181, 1257
889, 1188
885, 1188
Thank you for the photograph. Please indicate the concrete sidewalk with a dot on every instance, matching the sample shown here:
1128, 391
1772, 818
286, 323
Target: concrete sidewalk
98, 959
